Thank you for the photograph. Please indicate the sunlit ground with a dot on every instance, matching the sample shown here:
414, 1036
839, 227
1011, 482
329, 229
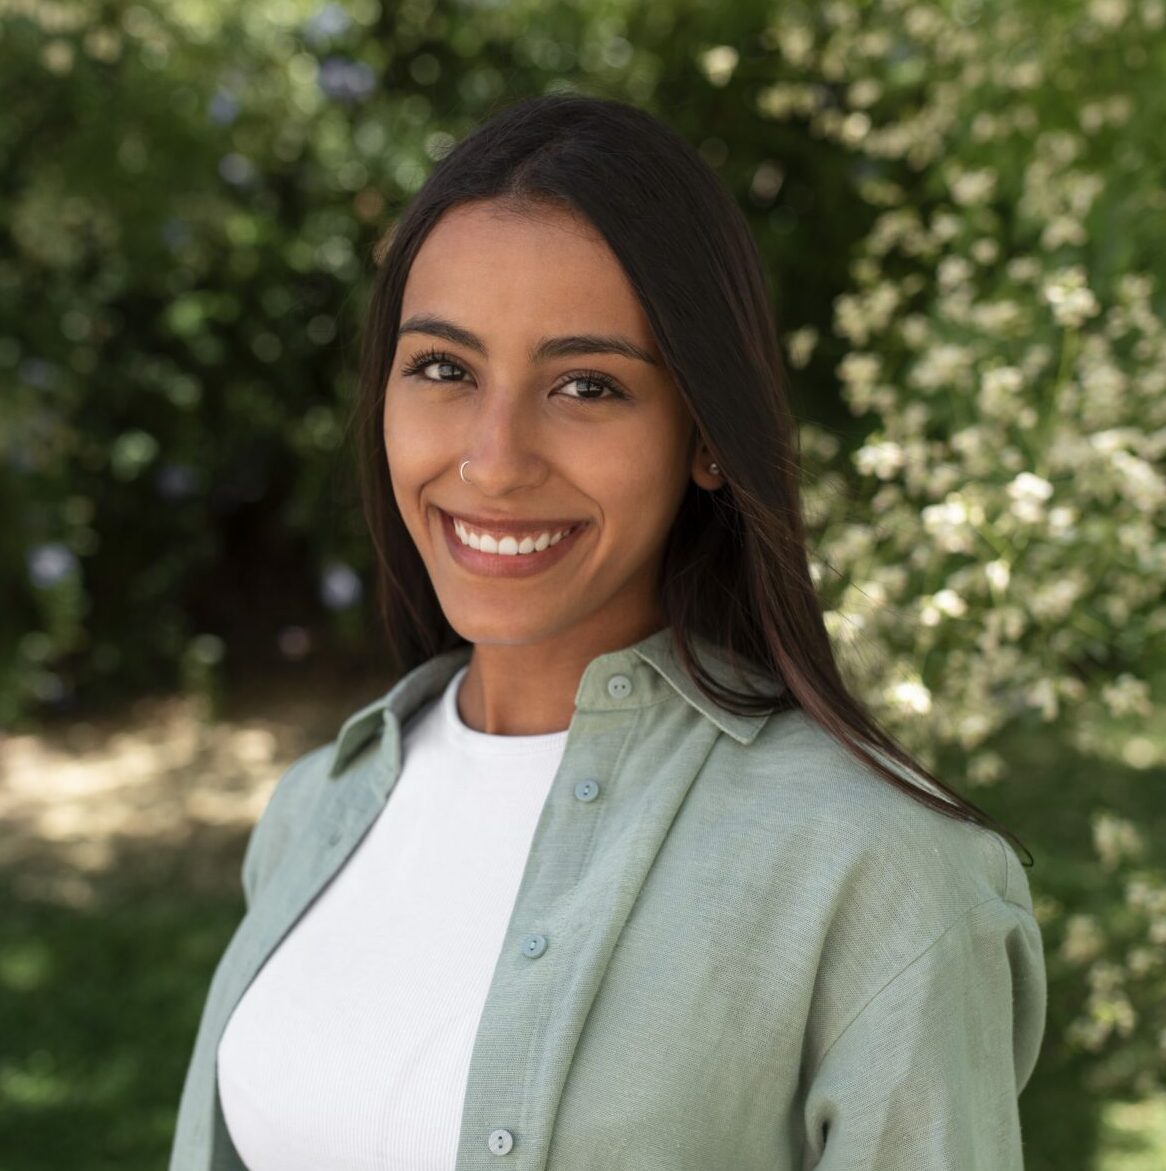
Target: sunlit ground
119, 875
82, 808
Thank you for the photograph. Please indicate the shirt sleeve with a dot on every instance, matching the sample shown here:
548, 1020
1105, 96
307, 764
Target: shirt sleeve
928, 1072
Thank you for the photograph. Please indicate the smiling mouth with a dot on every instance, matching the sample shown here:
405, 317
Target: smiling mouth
509, 555
501, 543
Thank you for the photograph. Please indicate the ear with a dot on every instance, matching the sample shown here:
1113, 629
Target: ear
703, 478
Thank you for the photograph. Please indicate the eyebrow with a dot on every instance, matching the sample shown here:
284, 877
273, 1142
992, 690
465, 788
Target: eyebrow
566, 346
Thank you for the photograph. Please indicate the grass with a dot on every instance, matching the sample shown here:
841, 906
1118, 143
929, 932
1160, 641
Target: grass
98, 1011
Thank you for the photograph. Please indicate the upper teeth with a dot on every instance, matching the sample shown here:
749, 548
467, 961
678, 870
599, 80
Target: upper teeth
508, 546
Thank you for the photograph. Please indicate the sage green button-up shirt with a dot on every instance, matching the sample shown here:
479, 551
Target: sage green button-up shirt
759, 955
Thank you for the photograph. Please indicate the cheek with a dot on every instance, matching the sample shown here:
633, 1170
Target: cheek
640, 486
411, 444
407, 463
648, 461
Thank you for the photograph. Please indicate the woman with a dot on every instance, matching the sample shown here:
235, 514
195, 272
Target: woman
653, 891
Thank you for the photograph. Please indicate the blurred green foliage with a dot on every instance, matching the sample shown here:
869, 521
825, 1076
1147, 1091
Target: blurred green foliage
191, 196
960, 205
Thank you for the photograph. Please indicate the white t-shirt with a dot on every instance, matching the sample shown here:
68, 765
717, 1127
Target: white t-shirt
350, 1050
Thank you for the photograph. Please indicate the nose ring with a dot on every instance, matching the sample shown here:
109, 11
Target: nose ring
462, 470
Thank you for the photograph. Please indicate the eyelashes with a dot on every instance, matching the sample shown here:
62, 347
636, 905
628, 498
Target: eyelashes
429, 357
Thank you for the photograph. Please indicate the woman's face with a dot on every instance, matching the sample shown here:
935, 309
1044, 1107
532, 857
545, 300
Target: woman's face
505, 359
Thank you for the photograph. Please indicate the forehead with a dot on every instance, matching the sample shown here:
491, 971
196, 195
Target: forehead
528, 271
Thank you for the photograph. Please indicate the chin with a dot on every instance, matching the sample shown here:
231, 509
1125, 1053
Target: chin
505, 629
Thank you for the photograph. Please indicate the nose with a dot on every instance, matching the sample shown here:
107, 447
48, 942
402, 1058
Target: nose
504, 447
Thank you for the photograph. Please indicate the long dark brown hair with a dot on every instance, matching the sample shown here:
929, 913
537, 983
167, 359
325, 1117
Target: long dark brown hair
735, 568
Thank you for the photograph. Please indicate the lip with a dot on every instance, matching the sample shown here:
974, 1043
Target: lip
514, 525
499, 565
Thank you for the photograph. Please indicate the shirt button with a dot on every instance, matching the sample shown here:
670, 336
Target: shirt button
500, 1141
619, 687
533, 946
587, 790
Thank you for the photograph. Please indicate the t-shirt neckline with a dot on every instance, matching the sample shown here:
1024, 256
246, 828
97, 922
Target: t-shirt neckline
485, 742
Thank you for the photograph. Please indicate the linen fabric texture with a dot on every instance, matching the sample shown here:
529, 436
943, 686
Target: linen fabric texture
756, 953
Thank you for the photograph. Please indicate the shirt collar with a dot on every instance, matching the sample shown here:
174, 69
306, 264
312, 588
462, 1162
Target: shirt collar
638, 675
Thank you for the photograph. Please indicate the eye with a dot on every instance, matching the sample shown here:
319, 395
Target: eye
428, 358
594, 378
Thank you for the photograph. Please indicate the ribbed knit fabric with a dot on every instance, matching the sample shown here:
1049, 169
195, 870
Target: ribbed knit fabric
350, 1050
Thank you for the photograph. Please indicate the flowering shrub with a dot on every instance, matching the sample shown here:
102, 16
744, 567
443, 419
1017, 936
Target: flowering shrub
1005, 559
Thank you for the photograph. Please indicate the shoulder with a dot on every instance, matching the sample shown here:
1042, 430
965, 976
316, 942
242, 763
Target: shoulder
873, 880
863, 851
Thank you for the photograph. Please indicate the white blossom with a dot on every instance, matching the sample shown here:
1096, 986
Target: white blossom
912, 695
1072, 302
1114, 838
1029, 493
1127, 695
883, 460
